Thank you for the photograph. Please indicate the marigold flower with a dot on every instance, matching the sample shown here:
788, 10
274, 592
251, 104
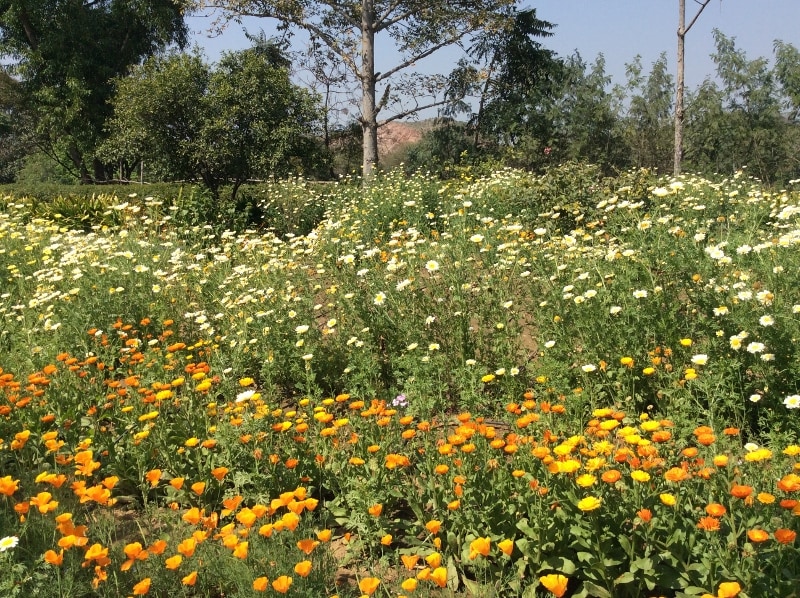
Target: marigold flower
757, 535
785, 536
590, 503
715, 509
741, 491
709, 524
555, 583
611, 476
789, 483
433, 526
728, 589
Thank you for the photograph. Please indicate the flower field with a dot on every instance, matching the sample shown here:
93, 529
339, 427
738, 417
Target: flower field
502, 385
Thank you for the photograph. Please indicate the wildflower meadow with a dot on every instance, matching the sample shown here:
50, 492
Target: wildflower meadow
502, 384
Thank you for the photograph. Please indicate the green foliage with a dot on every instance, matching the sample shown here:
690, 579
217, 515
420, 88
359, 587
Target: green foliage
244, 119
66, 88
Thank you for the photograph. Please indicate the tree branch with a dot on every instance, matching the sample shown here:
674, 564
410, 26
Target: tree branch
411, 60
411, 111
703, 4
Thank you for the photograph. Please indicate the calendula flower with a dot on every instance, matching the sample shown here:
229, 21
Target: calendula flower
590, 503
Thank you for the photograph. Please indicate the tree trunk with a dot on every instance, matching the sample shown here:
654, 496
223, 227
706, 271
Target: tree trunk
369, 113
679, 89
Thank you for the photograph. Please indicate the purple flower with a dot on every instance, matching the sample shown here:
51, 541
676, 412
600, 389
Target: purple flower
400, 401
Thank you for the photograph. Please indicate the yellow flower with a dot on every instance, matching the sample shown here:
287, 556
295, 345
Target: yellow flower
668, 499
590, 503
585, 480
640, 476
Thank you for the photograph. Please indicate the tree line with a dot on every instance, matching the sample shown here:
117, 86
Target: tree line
99, 90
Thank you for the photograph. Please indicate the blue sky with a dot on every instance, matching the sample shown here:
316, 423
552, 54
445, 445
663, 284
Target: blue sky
619, 29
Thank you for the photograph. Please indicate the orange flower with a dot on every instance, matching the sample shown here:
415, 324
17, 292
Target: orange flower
240, 552
368, 585
51, 557
173, 562
409, 561
709, 524
192, 516
141, 588
433, 526
757, 535
740, 491
409, 585
198, 487
218, 473
556, 583
676, 474
375, 510
8, 486
789, 483
157, 547
479, 546
506, 547
187, 547
307, 545
324, 535
260, 584
153, 476
190, 579
303, 568
716, 510
611, 476
728, 589
176, 483
282, 584
785, 536
439, 576
645, 515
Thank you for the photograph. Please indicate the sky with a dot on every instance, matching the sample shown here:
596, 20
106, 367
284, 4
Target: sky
619, 29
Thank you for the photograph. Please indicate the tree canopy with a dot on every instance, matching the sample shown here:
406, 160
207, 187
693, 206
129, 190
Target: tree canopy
348, 28
242, 119
66, 54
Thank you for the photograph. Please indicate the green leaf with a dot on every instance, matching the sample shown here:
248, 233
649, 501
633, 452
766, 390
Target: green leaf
522, 525
642, 564
452, 574
597, 591
558, 563
626, 577
585, 557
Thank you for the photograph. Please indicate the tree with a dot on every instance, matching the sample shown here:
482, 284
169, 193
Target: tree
65, 55
240, 120
349, 28
648, 122
683, 29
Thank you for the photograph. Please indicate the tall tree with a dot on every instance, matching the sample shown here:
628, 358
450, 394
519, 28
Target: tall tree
648, 122
242, 119
350, 28
66, 52
683, 29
